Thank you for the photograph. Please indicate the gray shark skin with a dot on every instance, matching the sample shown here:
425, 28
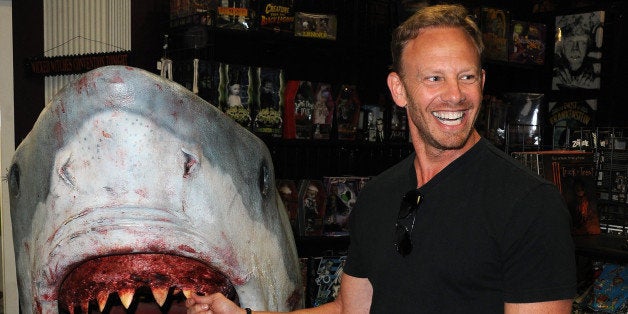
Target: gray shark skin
131, 190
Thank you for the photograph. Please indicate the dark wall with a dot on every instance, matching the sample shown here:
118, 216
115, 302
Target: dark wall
149, 20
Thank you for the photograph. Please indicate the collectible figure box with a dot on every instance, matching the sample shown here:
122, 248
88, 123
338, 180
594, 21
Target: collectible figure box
323, 111
342, 193
299, 109
235, 89
323, 279
322, 26
289, 194
348, 112
270, 84
312, 198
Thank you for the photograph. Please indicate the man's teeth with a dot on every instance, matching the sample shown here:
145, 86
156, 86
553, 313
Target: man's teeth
449, 117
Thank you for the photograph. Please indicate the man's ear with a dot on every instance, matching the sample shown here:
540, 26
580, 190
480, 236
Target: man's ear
397, 89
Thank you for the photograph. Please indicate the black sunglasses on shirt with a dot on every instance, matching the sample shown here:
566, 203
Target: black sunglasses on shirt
407, 213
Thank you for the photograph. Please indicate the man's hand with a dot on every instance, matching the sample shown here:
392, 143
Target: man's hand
215, 303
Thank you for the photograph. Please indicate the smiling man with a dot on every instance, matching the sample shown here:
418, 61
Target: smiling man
458, 226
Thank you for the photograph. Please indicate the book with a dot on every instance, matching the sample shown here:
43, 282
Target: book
567, 117
235, 89
314, 25
573, 173
494, 24
235, 14
289, 194
270, 86
342, 193
323, 279
276, 16
312, 205
347, 112
528, 42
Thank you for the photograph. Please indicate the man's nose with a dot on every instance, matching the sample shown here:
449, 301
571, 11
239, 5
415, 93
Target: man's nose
452, 92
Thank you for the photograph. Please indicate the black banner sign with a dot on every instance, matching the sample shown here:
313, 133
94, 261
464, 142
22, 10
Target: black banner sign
75, 64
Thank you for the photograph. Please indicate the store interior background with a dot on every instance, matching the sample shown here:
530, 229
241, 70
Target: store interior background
150, 23
355, 57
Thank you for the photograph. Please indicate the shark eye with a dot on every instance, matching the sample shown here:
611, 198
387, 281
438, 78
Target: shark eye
264, 179
14, 180
190, 163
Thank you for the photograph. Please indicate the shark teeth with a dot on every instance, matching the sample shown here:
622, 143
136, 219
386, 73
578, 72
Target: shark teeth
160, 282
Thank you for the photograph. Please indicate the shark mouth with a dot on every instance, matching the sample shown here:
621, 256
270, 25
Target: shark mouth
139, 283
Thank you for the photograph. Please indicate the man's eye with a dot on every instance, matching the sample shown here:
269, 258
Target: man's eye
469, 78
432, 79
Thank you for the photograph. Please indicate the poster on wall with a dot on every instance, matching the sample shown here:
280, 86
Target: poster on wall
578, 51
527, 43
568, 118
494, 25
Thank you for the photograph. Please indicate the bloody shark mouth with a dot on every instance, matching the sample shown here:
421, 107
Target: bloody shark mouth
141, 283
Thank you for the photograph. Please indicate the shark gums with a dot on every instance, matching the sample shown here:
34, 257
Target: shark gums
132, 192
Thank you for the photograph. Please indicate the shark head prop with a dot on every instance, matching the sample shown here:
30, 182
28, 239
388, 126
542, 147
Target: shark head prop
130, 191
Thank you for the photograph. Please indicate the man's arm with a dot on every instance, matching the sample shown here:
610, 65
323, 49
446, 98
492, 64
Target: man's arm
355, 297
553, 307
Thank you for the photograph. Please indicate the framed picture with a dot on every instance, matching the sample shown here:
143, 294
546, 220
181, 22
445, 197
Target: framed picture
578, 51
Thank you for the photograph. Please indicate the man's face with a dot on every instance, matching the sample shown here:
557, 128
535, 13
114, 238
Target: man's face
442, 86
575, 49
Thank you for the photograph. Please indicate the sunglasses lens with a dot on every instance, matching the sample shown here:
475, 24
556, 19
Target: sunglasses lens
403, 241
409, 203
